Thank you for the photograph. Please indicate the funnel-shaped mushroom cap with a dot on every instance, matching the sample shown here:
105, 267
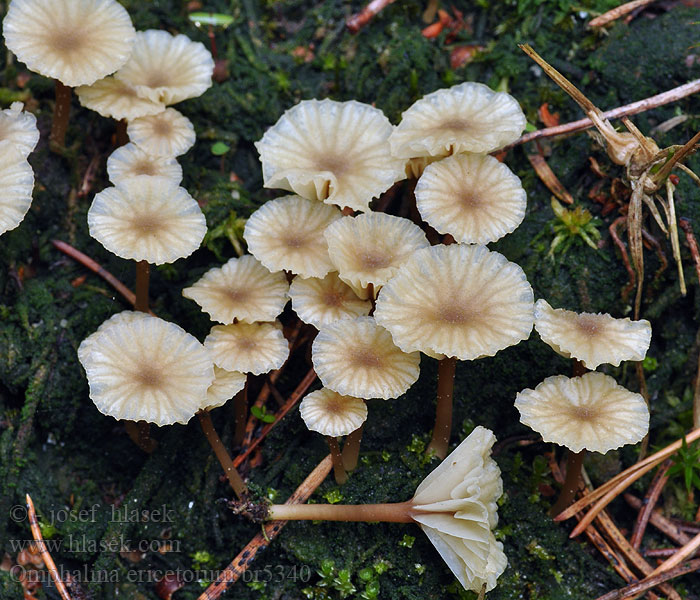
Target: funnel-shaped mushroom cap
19, 127
287, 234
147, 218
116, 99
167, 133
456, 507
225, 386
247, 347
356, 357
473, 197
242, 289
335, 152
591, 412
332, 414
142, 368
469, 117
16, 183
371, 248
324, 301
166, 68
131, 161
75, 41
592, 338
458, 300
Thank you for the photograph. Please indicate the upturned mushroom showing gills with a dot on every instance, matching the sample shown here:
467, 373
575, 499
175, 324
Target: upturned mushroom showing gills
455, 506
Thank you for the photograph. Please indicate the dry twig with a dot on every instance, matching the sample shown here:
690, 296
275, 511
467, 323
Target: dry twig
648, 504
617, 12
358, 21
650, 582
547, 176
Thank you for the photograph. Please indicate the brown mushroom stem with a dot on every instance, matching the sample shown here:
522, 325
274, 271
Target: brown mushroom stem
143, 270
61, 111
443, 413
351, 448
240, 411
122, 139
140, 434
398, 512
234, 478
338, 469
578, 368
572, 483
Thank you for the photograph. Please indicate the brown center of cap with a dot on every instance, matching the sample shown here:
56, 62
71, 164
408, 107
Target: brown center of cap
588, 324
149, 376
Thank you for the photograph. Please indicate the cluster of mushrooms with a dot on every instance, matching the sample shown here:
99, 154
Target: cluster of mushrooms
379, 288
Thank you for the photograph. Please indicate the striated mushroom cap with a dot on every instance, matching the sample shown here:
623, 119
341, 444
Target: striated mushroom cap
131, 161
324, 301
142, 368
147, 218
456, 507
167, 133
371, 248
330, 413
459, 300
247, 347
116, 99
17, 183
19, 127
74, 41
591, 412
469, 117
356, 357
166, 68
287, 234
592, 338
473, 197
225, 386
335, 152
241, 289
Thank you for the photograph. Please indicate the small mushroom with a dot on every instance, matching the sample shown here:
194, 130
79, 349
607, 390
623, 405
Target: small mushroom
167, 133
131, 161
19, 127
116, 99
17, 183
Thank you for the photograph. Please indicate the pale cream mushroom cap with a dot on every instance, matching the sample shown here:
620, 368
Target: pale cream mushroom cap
225, 386
147, 218
130, 161
248, 347
17, 183
142, 368
591, 412
166, 68
241, 289
371, 248
74, 41
19, 127
116, 99
592, 338
456, 506
469, 117
324, 301
167, 133
473, 197
460, 300
287, 234
331, 413
335, 152
356, 357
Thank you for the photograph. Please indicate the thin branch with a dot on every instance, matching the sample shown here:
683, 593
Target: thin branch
650, 582
652, 495
664, 525
358, 21
617, 12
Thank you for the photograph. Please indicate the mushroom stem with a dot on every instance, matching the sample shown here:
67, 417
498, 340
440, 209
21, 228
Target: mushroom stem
143, 270
140, 434
122, 139
338, 469
240, 411
234, 478
351, 448
574, 462
398, 512
61, 111
443, 413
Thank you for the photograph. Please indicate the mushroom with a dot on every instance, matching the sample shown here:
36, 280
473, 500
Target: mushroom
287, 234
167, 133
473, 197
76, 42
334, 152
131, 161
590, 412
459, 301
455, 505
19, 127
332, 414
242, 290
16, 182
116, 99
